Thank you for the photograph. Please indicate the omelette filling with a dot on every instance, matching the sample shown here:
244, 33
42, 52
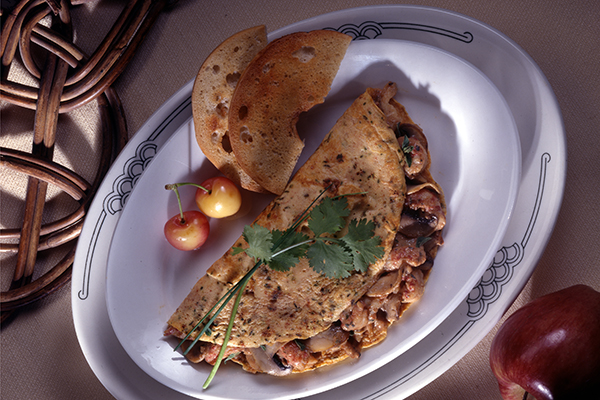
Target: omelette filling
366, 321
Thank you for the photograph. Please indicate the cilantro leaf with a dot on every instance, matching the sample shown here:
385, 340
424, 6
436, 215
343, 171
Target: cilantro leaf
330, 259
363, 246
294, 245
260, 242
328, 216
283, 240
237, 250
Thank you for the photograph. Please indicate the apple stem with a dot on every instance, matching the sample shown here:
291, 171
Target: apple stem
525, 395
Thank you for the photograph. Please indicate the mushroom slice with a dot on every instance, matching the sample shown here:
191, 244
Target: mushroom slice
335, 336
423, 213
260, 361
414, 285
385, 285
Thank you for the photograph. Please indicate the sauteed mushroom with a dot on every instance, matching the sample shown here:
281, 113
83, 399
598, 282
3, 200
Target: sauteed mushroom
414, 144
423, 213
260, 361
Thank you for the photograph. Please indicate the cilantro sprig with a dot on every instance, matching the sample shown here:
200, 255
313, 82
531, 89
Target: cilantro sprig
331, 252
336, 248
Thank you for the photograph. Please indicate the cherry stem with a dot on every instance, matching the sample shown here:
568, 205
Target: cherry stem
174, 186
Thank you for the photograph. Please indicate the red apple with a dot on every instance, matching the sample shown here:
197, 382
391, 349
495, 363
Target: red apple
550, 348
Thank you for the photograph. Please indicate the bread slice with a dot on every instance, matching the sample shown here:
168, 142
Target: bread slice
289, 76
211, 96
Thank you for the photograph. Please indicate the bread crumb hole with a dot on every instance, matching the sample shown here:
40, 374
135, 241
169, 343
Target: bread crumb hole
232, 79
245, 135
225, 143
304, 54
216, 68
242, 113
221, 109
236, 49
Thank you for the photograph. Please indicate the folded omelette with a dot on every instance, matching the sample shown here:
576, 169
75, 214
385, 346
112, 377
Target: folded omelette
299, 320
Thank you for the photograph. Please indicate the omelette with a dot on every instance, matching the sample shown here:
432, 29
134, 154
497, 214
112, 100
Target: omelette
298, 320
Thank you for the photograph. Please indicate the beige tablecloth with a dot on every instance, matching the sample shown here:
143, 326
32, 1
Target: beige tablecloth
40, 354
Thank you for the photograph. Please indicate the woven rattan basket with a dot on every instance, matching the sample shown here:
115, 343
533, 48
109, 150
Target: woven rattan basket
37, 37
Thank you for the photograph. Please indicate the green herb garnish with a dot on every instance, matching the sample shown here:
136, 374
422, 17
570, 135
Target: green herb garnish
421, 240
336, 249
407, 150
300, 345
405, 146
328, 252
231, 356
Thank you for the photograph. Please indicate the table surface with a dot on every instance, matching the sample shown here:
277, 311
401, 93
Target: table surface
40, 355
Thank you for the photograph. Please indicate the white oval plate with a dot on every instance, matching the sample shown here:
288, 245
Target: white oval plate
475, 158
542, 138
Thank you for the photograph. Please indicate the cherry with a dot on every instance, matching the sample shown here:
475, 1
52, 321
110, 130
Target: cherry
187, 230
218, 197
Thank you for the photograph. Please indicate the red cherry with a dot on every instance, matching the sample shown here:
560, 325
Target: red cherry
188, 233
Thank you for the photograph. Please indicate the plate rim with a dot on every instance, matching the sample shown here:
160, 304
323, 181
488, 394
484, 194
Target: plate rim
509, 296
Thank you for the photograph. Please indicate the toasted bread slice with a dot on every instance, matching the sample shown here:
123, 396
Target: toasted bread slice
211, 96
288, 77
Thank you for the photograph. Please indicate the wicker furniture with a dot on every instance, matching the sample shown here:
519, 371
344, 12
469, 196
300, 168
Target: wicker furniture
37, 36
